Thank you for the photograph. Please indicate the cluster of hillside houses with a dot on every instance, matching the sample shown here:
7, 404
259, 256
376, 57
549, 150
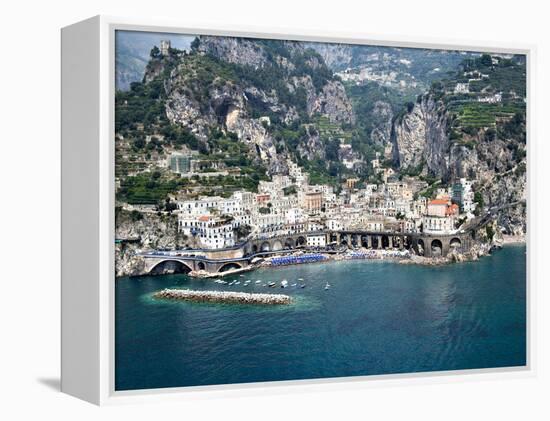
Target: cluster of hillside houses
289, 204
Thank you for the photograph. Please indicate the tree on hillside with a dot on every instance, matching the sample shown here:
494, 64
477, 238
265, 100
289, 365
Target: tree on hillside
195, 44
486, 60
155, 52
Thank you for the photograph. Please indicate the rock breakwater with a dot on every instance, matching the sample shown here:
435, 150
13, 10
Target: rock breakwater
223, 297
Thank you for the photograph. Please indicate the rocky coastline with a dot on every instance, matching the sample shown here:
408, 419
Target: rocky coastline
134, 264
454, 256
514, 239
160, 231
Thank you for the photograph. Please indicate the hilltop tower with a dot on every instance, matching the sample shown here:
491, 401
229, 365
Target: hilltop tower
164, 47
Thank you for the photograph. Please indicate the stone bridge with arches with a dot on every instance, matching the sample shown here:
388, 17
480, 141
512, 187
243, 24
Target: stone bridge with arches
156, 264
275, 244
242, 255
429, 245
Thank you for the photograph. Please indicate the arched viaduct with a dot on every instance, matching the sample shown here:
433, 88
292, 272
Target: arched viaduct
428, 245
157, 265
219, 261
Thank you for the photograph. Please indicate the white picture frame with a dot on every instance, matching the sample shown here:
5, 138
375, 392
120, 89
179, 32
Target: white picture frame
88, 211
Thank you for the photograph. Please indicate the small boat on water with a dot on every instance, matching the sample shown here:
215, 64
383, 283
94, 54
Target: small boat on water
300, 279
258, 281
271, 284
237, 283
293, 285
284, 283
302, 285
241, 275
327, 286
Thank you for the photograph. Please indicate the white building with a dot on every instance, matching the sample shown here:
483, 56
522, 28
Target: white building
419, 207
295, 215
271, 188
313, 226
212, 232
491, 99
316, 240
408, 226
268, 223
377, 226
296, 173
334, 224
403, 206
200, 206
443, 193
244, 218
438, 224
462, 88
463, 194
247, 199
205, 205
440, 217
283, 204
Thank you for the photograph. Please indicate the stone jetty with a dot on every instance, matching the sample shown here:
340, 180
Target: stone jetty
223, 297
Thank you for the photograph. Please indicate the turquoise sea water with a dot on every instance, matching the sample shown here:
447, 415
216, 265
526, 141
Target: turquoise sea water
377, 318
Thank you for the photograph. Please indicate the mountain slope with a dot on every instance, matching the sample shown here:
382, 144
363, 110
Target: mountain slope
410, 70
256, 105
471, 125
258, 91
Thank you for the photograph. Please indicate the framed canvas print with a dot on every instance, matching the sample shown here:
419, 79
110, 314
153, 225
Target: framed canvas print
244, 208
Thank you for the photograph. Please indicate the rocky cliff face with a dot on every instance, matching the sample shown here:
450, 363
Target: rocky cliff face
234, 50
419, 137
155, 232
382, 115
204, 93
420, 141
502, 180
336, 56
332, 102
